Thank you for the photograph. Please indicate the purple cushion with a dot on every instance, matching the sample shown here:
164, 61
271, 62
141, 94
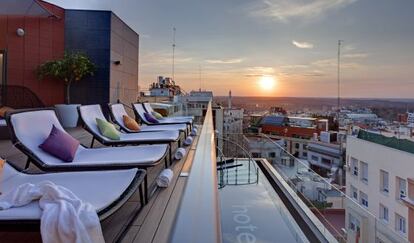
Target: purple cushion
60, 145
150, 118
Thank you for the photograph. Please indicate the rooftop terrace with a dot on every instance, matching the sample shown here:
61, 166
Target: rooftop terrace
150, 224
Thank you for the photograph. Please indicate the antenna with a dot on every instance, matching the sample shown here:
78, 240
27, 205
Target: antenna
173, 53
339, 79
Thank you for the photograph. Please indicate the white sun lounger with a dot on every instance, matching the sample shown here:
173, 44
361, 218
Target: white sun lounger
118, 111
149, 109
140, 111
27, 137
89, 113
111, 189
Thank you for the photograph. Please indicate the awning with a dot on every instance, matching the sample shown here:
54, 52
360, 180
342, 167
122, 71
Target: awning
24, 8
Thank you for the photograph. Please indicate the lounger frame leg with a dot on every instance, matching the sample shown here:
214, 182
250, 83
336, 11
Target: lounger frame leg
141, 196
27, 164
146, 188
171, 155
93, 140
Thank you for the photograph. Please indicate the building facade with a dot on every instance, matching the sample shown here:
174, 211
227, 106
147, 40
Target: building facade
44, 32
377, 183
28, 39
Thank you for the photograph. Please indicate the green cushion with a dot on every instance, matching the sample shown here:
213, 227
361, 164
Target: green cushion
157, 115
108, 129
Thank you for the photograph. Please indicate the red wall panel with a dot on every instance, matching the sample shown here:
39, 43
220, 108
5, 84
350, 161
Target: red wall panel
43, 41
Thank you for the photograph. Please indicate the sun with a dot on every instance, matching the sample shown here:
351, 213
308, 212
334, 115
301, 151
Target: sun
267, 83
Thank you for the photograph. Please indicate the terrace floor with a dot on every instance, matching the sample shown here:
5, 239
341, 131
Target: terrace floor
152, 223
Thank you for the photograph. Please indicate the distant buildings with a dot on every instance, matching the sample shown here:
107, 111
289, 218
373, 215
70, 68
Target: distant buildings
325, 155
296, 127
164, 87
359, 116
378, 168
233, 119
406, 118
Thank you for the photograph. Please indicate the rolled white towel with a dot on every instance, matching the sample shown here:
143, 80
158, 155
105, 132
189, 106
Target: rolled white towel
188, 141
180, 153
164, 178
193, 131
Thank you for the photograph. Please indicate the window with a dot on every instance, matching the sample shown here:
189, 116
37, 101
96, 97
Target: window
364, 172
297, 145
354, 224
2, 67
384, 184
354, 166
364, 199
400, 223
384, 213
326, 161
272, 154
315, 158
256, 155
354, 193
401, 188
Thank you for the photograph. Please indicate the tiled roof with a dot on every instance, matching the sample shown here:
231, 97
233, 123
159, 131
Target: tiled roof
392, 142
273, 120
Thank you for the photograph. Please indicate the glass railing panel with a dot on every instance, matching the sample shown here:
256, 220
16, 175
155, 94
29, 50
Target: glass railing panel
338, 214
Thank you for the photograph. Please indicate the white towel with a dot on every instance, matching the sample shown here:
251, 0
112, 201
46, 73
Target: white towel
188, 141
180, 153
193, 132
65, 218
164, 178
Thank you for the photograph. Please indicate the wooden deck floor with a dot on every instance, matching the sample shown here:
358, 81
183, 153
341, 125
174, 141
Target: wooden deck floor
152, 223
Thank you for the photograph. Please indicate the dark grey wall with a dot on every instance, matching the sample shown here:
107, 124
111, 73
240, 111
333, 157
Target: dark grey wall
90, 32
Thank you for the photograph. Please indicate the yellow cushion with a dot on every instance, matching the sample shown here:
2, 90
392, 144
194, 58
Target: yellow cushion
3, 111
130, 123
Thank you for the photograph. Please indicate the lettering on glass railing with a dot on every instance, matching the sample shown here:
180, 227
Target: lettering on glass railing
245, 230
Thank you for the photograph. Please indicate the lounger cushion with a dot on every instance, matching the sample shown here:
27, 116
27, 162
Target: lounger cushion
130, 123
107, 129
156, 115
150, 118
60, 145
107, 187
3, 111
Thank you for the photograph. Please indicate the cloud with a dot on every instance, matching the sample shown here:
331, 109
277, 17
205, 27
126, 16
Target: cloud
315, 73
284, 10
333, 62
294, 66
158, 58
259, 71
226, 61
302, 45
355, 55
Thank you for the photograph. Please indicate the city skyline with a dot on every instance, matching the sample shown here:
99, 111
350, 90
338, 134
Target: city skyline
236, 43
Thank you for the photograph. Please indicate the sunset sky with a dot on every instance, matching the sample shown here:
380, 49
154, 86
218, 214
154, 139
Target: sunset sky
236, 42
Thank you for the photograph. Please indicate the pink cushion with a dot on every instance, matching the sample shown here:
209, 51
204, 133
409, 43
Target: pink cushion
60, 144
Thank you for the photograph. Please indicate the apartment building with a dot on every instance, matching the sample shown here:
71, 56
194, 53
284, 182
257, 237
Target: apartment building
377, 184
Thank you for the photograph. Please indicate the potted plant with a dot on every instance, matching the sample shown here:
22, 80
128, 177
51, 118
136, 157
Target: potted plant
73, 67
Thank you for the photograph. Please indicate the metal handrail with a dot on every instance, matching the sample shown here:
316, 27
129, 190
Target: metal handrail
198, 217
